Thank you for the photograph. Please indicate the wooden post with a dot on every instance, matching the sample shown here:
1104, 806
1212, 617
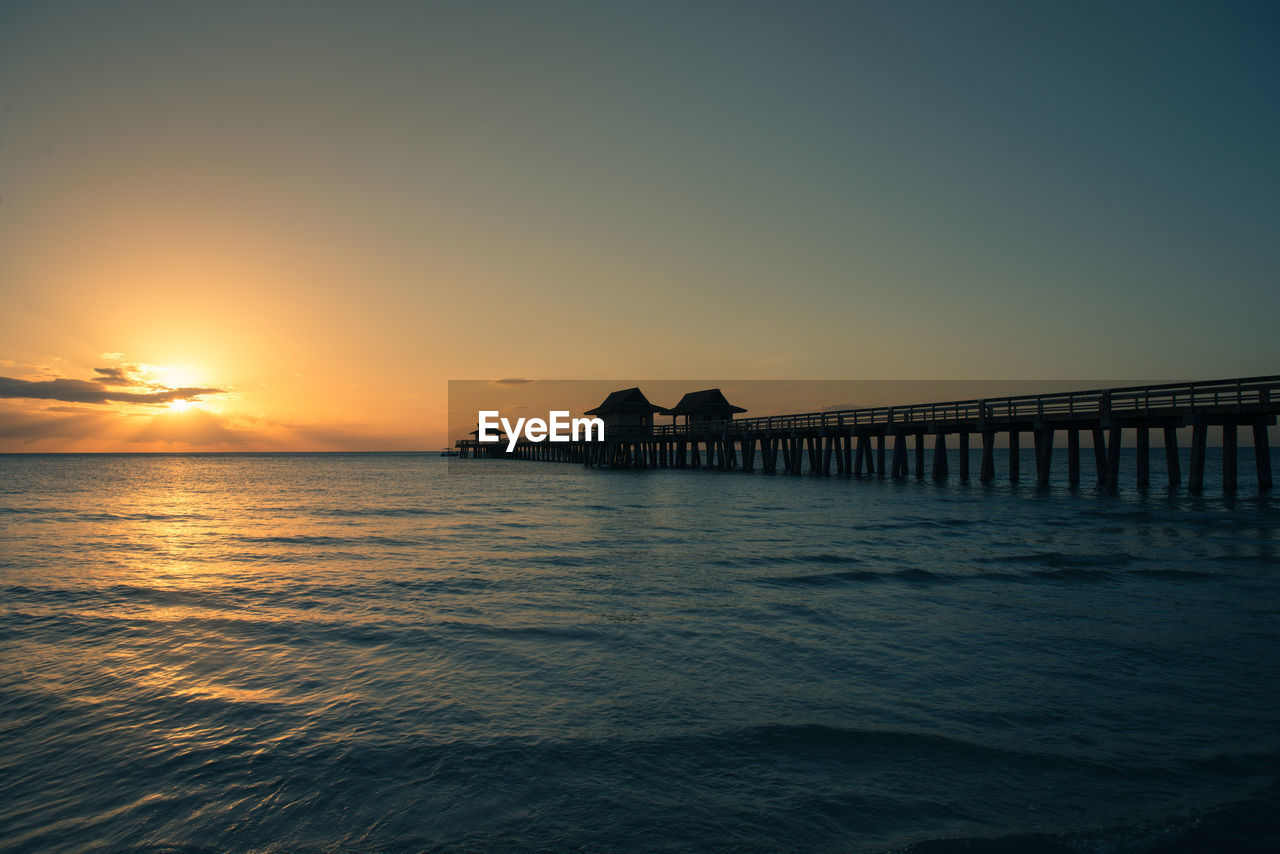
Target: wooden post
939, 456
848, 454
1073, 456
1113, 457
1014, 456
1171, 456
1100, 455
919, 456
987, 472
860, 456
1262, 454
1229, 457
1199, 436
1044, 455
1144, 456
899, 455
964, 454
880, 455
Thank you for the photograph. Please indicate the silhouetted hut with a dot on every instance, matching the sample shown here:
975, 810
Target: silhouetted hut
490, 448
704, 408
625, 411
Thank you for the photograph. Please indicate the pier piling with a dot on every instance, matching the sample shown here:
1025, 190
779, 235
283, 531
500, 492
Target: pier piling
1144, 457
988, 471
939, 471
1073, 457
1262, 454
1229, 457
1171, 461
1015, 457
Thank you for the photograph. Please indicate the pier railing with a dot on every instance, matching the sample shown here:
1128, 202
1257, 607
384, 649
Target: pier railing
1148, 399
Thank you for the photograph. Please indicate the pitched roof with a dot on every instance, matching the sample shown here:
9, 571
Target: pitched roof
709, 401
629, 400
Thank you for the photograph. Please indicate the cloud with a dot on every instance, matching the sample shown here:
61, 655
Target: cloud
511, 381
97, 391
113, 376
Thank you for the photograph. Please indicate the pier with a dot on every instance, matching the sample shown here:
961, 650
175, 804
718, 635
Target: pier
912, 440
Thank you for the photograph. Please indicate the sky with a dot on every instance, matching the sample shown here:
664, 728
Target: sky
286, 226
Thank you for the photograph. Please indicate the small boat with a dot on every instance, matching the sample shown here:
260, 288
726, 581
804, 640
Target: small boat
448, 452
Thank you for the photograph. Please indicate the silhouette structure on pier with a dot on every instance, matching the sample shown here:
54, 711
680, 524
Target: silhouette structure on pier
626, 414
856, 442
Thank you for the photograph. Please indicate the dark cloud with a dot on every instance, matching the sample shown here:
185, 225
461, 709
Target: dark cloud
113, 376
95, 391
511, 381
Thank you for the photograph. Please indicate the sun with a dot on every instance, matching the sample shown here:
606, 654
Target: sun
172, 376
179, 405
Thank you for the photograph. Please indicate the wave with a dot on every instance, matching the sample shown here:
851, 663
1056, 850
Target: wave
1250, 825
1062, 560
924, 576
367, 512
769, 559
1177, 574
325, 540
911, 576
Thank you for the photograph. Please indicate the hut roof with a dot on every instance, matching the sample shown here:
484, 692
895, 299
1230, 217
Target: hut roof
709, 401
628, 400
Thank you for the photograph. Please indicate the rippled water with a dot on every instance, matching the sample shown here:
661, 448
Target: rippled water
365, 652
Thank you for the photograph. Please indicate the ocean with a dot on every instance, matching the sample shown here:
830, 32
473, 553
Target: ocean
387, 652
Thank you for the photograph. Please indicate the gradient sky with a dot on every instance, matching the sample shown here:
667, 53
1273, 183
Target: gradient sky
324, 211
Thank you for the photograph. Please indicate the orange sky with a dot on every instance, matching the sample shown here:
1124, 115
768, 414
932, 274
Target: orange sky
328, 213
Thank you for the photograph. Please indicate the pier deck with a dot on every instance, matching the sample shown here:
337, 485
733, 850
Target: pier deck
874, 441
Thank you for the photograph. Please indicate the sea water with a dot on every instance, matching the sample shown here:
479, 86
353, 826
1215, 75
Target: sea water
395, 652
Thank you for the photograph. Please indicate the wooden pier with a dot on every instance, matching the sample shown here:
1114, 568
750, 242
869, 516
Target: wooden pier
902, 441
